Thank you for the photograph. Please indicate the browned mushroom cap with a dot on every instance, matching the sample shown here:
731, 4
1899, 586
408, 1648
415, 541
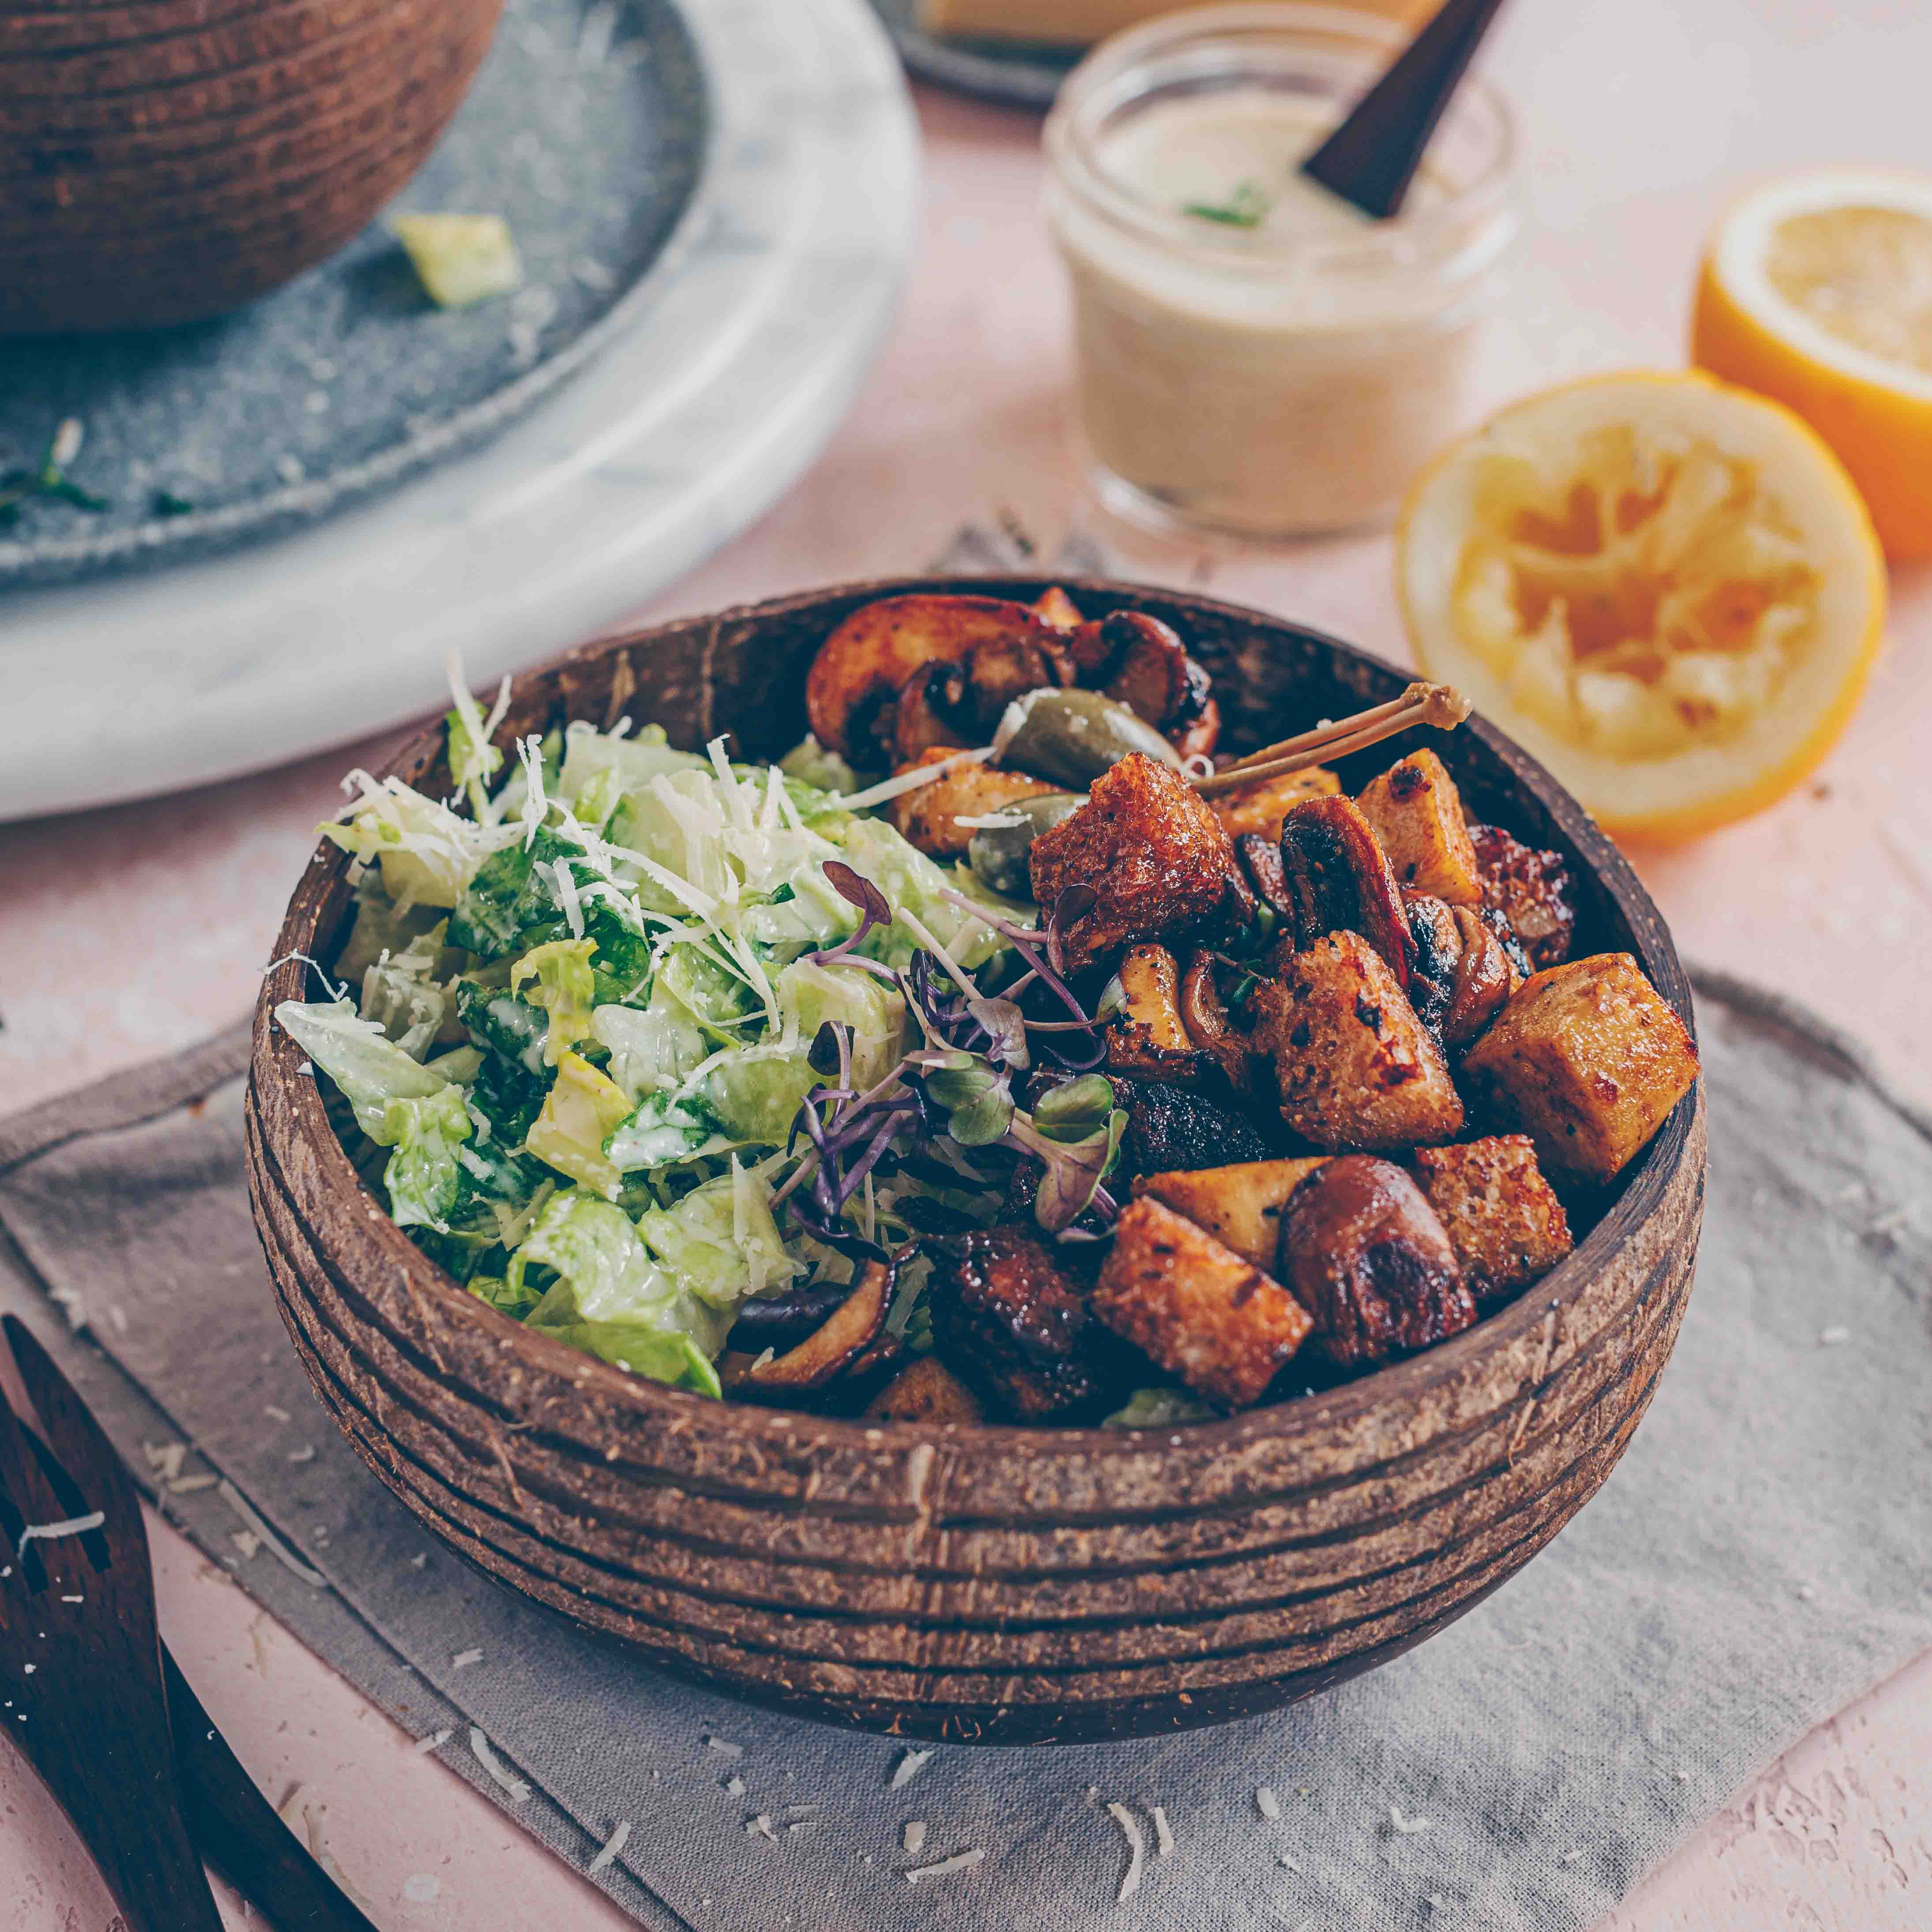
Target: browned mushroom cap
1141, 663
1336, 879
1461, 975
836, 1346
1367, 1257
930, 712
1205, 1014
861, 668
999, 670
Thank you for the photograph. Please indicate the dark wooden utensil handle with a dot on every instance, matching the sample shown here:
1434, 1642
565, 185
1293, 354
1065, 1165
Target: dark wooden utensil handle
238, 1830
1372, 157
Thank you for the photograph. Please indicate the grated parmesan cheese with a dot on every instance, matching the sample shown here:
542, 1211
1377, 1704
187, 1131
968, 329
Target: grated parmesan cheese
1130, 1826
723, 1747
913, 1836
463, 1659
270, 1541
1266, 1803
959, 1861
911, 1764
1408, 1828
434, 1741
500, 1774
909, 780
47, 1532
1163, 1833
612, 1845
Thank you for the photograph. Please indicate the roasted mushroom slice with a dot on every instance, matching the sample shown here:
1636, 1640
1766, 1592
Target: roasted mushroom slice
1461, 975
1532, 890
1145, 1034
1209, 1029
1336, 879
835, 1347
1011, 1326
931, 713
1370, 1259
999, 670
860, 669
1159, 861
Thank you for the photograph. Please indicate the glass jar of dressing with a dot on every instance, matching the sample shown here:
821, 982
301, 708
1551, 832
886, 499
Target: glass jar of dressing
1252, 354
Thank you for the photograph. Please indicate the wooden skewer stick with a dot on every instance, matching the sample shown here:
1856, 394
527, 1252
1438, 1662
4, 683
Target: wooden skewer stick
1438, 704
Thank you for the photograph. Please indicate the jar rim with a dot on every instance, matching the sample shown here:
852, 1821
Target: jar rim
1208, 40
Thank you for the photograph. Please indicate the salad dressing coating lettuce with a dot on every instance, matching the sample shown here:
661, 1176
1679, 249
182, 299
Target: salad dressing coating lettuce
587, 1015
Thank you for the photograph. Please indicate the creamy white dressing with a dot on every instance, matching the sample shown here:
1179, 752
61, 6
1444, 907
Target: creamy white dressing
1251, 351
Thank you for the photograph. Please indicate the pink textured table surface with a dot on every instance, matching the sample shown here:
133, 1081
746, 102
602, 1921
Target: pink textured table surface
128, 932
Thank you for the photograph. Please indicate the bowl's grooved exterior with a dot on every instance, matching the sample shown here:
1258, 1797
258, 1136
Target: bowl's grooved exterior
168, 162
982, 1583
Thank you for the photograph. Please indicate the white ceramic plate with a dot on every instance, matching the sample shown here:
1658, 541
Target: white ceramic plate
680, 434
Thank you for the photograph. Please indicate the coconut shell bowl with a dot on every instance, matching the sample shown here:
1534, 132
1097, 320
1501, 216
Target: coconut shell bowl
163, 161
966, 1581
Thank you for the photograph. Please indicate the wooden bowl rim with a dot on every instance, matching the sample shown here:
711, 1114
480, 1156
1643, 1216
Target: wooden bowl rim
275, 1060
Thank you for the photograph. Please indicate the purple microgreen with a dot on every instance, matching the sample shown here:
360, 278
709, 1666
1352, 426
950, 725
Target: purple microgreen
873, 910
1074, 903
831, 1052
1073, 1170
1027, 941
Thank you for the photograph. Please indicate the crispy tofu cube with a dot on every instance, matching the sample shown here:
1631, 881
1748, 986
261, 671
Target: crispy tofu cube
1160, 864
1260, 807
1208, 1317
929, 817
925, 1390
1417, 813
1240, 1204
1357, 1070
1587, 1060
1506, 1225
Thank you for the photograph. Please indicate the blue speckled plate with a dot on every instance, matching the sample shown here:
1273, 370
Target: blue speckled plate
588, 129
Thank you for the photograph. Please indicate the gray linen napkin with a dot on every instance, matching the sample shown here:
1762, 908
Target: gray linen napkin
1759, 1558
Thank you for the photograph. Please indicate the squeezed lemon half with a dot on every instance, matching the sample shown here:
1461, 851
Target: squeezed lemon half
1667, 588
1817, 290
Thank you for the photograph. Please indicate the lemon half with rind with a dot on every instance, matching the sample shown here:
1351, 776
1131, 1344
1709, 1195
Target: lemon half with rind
1817, 290
1666, 587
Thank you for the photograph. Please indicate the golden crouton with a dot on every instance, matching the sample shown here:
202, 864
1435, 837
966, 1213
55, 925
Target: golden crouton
1506, 1226
1146, 1036
1587, 1060
1240, 1204
1259, 807
1160, 864
1208, 1317
925, 1390
1357, 1069
1417, 813
929, 817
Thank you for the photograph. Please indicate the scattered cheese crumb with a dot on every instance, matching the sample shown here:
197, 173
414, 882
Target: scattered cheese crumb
1163, 1834
165, 1458
1287, 1863
275, 1413
434, 1741
735, 1785
760, 1827
47, 1532
1136, 1851
500, 1774
612, 1845
306, 1453
463, 1659
270, 1541
1408, 1828
1266, 1803
187, 1485
911, 1764
247, 1542
913, 1836
961, 1862
723, 1747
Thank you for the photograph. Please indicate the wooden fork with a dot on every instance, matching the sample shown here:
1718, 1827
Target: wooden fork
80, 1657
